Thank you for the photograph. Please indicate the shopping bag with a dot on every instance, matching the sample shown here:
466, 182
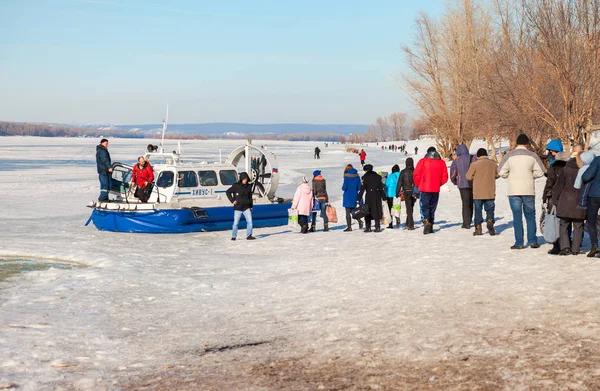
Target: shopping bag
551, 226
387, 217
331, 214
292, 218
316, 205
396, 207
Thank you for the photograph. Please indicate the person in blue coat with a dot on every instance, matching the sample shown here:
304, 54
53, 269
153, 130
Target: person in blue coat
390, 191
351, 188
592, 176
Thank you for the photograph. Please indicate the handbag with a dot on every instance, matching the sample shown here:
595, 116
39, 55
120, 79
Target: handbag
361, 212
331, 214
416, 192
402, 197
551, 226
292, 218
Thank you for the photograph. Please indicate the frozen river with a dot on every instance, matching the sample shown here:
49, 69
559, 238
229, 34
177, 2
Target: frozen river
337, 310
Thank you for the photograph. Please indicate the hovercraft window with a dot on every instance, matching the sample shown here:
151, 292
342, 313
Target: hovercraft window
187, 179
208, 178
228, 177
165, 179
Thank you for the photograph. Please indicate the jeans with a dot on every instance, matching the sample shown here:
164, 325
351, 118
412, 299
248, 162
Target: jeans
466, 196
523, 205
322, 206
104, 186
237, 214
592, 217
429, 203
488, 205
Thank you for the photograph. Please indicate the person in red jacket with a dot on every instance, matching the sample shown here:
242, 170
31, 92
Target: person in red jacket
143, 175
363, 156
430, 174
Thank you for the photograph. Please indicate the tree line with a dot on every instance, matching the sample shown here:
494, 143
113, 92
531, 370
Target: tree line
495, 68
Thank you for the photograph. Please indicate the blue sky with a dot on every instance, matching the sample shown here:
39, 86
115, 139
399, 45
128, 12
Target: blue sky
121, 61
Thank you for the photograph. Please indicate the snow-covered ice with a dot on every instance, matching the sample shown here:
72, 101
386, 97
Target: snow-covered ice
396, 310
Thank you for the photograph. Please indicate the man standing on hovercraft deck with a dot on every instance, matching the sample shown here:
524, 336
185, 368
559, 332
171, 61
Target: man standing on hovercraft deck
240, 194
104, 168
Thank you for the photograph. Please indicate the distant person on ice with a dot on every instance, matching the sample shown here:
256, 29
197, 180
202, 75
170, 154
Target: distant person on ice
372, 189
429, 176
319, 188
104, 168
405, 186
351, 189
317, 153
458, 176
303, 203
363, 157
416, 151
143, 175
522, 167
483, 173
240, 194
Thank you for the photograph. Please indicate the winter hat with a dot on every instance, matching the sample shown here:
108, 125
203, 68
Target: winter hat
368, 167
563, 156
522, 139
244, 175
304, 180
555, 146
481, 152
316, 172
396, 168
410, 162
431, 150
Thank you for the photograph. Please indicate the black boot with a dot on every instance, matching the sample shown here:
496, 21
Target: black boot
490, 227
312, 228
348, 229
398, 223
594, 251
360, 224
326, 228
377, 226
426, 227
391, 226
304, 228
478, 230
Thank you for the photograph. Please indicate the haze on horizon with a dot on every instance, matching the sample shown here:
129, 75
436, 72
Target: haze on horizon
120, 62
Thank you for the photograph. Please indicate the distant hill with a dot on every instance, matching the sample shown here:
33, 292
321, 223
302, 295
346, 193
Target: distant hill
293, 132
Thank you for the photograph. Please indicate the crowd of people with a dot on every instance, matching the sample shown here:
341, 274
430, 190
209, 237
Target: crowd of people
571, 193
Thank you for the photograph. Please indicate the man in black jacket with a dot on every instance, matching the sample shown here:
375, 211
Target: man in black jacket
104, 168
240, 194
406, 186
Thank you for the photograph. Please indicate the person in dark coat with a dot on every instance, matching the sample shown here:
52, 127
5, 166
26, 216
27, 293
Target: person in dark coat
351, 188
317, 153
240, 195
319, 188
372, 189
592, 176
566, 197
405, 186
559, 160
458, 173
104, 168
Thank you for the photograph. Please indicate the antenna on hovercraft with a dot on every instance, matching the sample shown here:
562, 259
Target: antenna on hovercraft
164, 122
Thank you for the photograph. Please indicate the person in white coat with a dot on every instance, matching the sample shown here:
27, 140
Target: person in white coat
522, 167
303, 203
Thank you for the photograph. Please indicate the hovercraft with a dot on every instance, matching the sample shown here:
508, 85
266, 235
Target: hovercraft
190, 197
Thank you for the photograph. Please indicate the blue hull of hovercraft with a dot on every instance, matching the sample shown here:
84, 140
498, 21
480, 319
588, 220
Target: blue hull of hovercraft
172, 221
